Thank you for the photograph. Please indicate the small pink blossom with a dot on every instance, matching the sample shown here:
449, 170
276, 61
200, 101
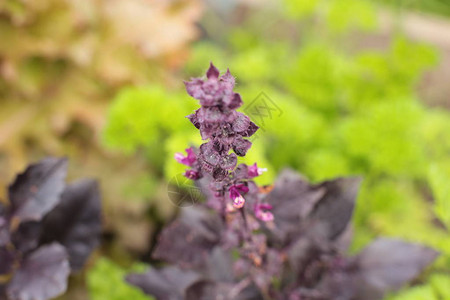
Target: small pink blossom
188, 160
254, 171
236, 192
262, 212
191, 174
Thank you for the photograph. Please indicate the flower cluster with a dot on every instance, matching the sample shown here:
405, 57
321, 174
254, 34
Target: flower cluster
219, 123
224, 129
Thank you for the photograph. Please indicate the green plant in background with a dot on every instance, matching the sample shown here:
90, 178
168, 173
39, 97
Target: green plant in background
438, 287
345, 110
440, 7
106, 282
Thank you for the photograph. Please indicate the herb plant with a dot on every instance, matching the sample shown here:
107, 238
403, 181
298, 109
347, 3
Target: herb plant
287, 241
47, 231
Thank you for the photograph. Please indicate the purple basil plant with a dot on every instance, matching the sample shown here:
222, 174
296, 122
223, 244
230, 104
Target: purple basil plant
47, 231
287, 241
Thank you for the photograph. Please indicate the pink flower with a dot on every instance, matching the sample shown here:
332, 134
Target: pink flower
235, 195
188, 160
191, 174
254, 171
262, 212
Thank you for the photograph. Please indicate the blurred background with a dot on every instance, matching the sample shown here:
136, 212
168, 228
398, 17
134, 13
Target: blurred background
338, 87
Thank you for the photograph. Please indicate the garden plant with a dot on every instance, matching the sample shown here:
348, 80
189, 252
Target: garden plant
346, 108
287, 241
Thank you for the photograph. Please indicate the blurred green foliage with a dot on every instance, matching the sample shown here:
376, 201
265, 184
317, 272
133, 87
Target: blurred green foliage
106, 281
345, 109
437, 288
441, 7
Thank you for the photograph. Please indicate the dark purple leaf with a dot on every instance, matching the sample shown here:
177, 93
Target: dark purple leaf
333, 212
26, 237
212, 72
387, 265
229, 161
7, 260
241, 146
194, 120
209, 154
4, 231
194, 88
37, 191
236, 101
209, 290
252, 128
241, 122
210, 114
292, 200
189, 239
220, 265
42, 275
302, 252
169, 283
228, 80
76, 221
2, 291
219, 173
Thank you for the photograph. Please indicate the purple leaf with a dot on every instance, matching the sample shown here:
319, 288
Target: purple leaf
220, 265
302, 252
212, 72
189, 239
228, 80
388, 264
4, 232
42, 275
7, 260
208, 290
210, 114
2, 291
37, 191
194, 120
194, 88
251, 129
333, 212
76, 221
236, 101
241, 146
209, 154
26, 237
229, 161
292, 200
168, 283
241, 123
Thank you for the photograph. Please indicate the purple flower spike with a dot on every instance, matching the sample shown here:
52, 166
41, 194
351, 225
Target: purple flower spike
188, 160
262, 212
224, 131
254, 171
